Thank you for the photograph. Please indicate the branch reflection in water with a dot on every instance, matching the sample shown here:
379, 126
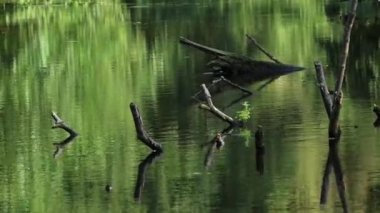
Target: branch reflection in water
216, 144
141, 173
60, 147
333, 162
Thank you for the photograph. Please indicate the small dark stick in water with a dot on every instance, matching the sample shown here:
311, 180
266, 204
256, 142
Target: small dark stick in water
259, 137
108, 188
376, 110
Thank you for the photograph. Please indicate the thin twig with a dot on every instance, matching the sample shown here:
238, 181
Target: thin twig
254, 42
235, 85
346, 45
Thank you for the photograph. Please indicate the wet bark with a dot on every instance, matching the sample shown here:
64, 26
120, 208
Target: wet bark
142, 135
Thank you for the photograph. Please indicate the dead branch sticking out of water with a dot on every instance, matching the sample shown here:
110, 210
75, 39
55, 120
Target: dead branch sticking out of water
143, 166
333, 100
142, 135
59, 123
211, 107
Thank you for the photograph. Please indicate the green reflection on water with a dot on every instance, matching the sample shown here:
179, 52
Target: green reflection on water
89, 62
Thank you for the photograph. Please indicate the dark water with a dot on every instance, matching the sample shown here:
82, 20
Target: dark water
88, 62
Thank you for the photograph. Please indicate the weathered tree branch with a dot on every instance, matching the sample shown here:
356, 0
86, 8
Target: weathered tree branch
59, 123
210, 107
346, 45
254, 42
142, 135
334, 129
327, 98
333, 104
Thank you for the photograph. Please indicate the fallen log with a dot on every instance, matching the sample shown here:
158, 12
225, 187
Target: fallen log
234, 66
142, 135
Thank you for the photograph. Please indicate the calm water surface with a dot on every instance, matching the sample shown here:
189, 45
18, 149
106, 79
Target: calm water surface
88, 62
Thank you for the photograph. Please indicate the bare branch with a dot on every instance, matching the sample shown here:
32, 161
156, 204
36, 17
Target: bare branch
254, 42
142, 135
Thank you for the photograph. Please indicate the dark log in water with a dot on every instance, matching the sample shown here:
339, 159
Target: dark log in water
141, 173
142, 135
238, 67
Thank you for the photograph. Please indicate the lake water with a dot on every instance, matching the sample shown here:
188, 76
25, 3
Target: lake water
88, 62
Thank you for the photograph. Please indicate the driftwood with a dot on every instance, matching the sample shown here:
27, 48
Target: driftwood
143, 166
333, 100
142, 135
333, 163
210, 107
59, 123
242, 68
